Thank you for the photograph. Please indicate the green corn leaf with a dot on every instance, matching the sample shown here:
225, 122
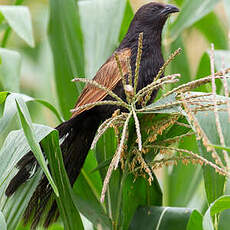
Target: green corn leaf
34, 145
66, 42
69, 213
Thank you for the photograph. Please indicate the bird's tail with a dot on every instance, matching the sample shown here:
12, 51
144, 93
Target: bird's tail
77, 137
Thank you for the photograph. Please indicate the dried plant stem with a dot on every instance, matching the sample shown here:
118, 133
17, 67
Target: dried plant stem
156, 84
175, 159
183, 124
161, 71
138, 130
122, 141
200, 133
226, 91
218, 126
202, 109
194, 155
118, 103
103, 127
138, 61
122, 76
116, 158
199, 105
166, 105
177, 138
171, 57
96, 84
129, 72
194, 84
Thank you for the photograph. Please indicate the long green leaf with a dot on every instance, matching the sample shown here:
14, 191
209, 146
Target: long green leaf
136, 193
34, 145
69, 213
104, 31
14, 148
66, 41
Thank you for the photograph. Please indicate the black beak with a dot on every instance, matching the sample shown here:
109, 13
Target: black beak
169, 9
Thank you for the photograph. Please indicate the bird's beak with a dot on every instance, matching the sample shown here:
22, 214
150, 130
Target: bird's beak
169, 9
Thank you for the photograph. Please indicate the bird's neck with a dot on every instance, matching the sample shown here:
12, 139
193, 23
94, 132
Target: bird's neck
152, 34
151, 59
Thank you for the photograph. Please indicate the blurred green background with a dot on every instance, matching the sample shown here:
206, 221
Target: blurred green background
37, 76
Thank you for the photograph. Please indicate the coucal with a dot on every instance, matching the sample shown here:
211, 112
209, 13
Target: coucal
79, 131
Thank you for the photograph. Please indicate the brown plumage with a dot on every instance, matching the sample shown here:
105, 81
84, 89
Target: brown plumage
108, 76
79, 131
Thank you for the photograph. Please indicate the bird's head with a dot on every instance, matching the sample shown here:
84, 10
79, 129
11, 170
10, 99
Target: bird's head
154, 14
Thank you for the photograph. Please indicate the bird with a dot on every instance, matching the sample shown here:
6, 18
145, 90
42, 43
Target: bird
78, 132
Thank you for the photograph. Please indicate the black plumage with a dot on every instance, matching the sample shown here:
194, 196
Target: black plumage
79, 131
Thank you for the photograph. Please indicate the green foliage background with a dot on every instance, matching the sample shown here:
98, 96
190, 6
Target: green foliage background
70, 38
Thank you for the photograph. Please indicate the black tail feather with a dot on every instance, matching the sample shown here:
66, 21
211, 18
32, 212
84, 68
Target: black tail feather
78, 135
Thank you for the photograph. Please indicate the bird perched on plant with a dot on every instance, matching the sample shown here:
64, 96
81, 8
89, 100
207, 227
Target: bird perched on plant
79, 131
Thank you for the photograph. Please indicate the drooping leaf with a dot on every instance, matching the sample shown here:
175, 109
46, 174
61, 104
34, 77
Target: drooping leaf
10, 108
13, 149
26, 124
19, 19
10, 69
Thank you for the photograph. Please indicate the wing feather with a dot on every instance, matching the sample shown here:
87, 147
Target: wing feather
108, 76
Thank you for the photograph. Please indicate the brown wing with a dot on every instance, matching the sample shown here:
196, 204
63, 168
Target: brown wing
108, 75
